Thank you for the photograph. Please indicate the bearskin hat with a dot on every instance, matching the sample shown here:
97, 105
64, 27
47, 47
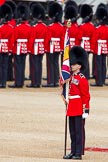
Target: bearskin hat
23, 11
6, 12
12, 4
79, 56
71, 3
38, 11
31, 4
70, 13
50, 3
101, 5
55, 11
86, 12
102, 14
48, 6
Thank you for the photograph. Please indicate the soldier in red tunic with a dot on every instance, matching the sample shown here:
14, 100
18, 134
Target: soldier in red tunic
56, 44
6, 42
22, 33
71, 13
11, 23
38, 42
100, 46
86, 30
78, 102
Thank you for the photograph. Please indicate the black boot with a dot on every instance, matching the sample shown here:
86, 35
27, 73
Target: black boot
77, 157
69, 156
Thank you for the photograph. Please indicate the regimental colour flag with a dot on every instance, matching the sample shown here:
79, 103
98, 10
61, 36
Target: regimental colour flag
65, 70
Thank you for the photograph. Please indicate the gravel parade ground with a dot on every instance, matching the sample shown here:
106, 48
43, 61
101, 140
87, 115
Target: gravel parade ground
32, 125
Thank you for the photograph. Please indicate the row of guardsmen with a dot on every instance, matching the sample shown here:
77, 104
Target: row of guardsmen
23, 32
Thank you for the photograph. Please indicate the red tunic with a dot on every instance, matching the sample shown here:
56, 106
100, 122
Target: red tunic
100, 34
39, 38
85, 34
56, 32
7, 38
2, 2
22, 36
78, 95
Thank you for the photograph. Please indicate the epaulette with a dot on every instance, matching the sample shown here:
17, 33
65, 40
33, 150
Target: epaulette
98, 26
28, 24
60, 24
11, 25
51, 24
91, 23
18, 25
81, 75
1, 25
76, 25
82, 24
44, 24
34, 25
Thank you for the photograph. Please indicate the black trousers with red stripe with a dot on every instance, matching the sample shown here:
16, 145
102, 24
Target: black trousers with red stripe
100, 68
77, 134
53, 68
36, 69
10, 68
19, 69
3, 68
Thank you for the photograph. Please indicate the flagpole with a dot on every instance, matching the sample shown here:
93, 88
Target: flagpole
65, 143
66, 118
67, 88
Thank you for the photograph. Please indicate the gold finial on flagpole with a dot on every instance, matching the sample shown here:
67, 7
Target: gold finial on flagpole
69, 23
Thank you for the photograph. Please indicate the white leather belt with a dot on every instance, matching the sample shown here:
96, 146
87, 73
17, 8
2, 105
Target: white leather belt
21, 40
55, 39
102, 41
72, 39
39, 40
75, 96
85, 38
3, 40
